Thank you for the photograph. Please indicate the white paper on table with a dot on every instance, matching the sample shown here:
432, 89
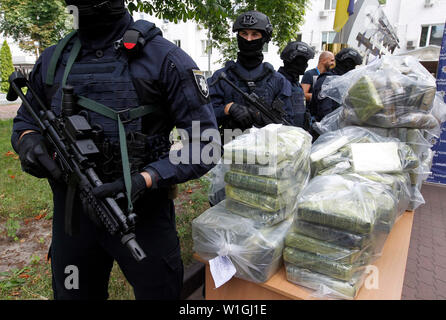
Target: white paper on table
222, 270
376, 157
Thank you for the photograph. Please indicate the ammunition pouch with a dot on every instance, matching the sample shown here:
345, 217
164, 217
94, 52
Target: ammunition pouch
142, 150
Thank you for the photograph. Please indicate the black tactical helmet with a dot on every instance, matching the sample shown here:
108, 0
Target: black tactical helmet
295, 49
254, 20
349, 53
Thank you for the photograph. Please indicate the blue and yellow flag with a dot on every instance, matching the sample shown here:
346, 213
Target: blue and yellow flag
344, 9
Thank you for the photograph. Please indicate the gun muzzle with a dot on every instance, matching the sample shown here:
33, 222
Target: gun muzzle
137, 252
15, 79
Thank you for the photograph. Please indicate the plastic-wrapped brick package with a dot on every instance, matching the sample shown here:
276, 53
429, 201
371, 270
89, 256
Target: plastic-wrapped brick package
324, 286
255, 252
378, 154
340, 227
269, 167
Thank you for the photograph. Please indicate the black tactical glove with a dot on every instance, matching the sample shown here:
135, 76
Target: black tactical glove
241, 114
113, 188
259, 120
35, 159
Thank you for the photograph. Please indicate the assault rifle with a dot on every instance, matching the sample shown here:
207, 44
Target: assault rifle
275, 113
69, 136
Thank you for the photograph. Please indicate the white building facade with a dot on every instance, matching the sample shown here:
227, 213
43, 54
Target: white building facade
417, 23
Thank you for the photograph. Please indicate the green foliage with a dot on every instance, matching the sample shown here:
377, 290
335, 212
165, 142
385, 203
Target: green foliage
6, 66
27, 21
12, 226
219, 15
20, 193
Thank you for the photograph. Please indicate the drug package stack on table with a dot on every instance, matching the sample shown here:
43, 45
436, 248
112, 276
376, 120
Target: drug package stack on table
266, 170
360, 186
393, 97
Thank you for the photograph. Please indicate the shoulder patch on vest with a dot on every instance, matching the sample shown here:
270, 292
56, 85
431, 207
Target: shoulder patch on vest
201, 82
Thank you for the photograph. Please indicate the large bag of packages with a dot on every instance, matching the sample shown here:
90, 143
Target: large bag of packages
392, 85
255, 252
340, 227
268, 169
367, 150
392, 92
378, 155
357, 149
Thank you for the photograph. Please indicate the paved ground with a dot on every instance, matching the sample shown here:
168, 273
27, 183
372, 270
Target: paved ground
8, 111
425, 277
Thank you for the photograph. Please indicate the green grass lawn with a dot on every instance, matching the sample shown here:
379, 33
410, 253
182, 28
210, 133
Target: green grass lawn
23, 196
20, 193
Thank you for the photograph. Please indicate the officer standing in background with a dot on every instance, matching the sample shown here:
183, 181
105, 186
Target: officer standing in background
120, 64
326, 62
347, 59
250, 74
295, 58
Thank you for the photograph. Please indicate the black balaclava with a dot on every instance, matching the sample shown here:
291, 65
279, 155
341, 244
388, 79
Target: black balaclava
296, 67
342, 67
96, 16
250, 52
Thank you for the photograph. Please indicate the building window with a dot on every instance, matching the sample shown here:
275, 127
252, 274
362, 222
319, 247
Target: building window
327, 37
265, 48
177, 43
299, 37
330, 5
206, 47
431, 35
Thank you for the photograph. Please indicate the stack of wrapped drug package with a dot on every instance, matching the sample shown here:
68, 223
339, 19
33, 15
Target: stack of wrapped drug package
393, 97
267, 170
360, 186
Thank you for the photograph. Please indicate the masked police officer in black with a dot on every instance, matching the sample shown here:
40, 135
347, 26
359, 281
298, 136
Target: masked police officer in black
250, 74
120, 64
295, 58
346, 59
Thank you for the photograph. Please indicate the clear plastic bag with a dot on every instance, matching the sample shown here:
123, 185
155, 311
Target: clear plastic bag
331, 122
341, 225
392, 85
393, 92
267, 192
216, 192
255, 252
357, 149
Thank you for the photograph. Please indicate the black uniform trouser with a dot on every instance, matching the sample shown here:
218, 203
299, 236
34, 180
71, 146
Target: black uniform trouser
81, 263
